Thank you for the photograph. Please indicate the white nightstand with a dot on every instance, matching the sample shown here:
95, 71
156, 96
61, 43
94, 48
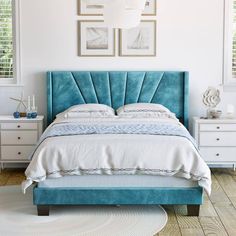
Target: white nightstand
18, 138
216, 139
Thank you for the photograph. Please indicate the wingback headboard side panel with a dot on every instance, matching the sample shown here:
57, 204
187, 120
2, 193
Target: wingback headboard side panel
116, 88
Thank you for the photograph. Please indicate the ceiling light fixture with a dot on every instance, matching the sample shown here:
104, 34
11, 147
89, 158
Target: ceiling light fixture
123, 14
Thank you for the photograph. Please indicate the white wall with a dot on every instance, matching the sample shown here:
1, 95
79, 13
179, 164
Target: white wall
190, 37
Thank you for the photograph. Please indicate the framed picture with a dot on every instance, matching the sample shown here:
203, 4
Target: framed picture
90, 8
95, 8
138, 41
150, 8
95, 39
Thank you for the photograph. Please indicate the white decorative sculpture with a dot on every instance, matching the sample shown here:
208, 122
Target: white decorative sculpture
211, 98
21, 102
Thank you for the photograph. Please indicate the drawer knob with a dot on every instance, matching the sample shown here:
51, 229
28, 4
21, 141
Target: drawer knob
19, 138
19, 153
18, 126
217, 154
218, 127
217, 139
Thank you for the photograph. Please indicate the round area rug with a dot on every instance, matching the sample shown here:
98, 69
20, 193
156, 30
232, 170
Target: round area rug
18, 216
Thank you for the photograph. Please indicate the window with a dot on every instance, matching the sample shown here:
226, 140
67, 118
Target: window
234, 41
230, 43
8, 39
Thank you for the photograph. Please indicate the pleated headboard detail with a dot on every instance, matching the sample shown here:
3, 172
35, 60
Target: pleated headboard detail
116, 88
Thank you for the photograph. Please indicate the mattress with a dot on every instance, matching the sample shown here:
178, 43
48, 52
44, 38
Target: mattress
91, 181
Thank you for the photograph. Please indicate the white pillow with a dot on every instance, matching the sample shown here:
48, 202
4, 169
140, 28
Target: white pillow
145, 110
87, 110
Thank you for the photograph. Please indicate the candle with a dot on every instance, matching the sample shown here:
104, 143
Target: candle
230, 109
33, 101
28, 103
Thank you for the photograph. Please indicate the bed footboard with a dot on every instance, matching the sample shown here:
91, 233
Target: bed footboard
46, 197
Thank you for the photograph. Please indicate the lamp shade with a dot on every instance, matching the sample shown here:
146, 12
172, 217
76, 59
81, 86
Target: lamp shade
95, 2
117, 15
135, 4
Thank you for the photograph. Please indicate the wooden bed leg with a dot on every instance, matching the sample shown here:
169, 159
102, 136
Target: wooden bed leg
193, 210
43, 210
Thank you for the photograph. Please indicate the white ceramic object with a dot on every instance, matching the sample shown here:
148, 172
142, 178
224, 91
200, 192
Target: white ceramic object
215, 114
211, 98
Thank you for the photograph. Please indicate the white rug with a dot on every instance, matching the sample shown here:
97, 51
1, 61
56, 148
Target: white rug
18, 217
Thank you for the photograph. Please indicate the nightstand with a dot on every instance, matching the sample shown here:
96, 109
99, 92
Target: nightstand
216, 139
18, 138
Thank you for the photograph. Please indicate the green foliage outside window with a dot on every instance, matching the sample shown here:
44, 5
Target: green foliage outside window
6, 42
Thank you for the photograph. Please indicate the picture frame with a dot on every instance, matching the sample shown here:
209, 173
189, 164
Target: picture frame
91, 8
95, 39
138, 41
150, 8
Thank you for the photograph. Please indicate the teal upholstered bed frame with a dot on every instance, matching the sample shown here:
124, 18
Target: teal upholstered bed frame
115, 89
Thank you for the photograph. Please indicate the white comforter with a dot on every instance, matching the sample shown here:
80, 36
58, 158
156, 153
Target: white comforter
117, 154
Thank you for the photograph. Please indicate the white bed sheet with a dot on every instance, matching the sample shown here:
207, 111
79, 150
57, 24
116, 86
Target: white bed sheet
91, 181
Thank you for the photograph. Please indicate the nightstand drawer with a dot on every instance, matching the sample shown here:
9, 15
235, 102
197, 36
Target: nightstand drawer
217, 139
16, 152
217, 127
19, 126
19, 137
221, 154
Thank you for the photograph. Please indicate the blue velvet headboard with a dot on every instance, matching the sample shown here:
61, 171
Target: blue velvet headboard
116, 88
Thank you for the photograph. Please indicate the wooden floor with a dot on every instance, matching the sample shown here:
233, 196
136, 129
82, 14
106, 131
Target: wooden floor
217, 215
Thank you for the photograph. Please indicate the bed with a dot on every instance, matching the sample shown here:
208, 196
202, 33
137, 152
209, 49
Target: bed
68, 88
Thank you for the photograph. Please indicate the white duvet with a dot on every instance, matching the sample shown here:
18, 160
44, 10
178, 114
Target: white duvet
117, 154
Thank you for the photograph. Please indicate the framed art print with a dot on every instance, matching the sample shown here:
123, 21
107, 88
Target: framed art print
95, 7
95, 39
90, 8
138, 41
150, 8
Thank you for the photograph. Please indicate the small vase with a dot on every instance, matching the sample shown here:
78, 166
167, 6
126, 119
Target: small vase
16, 114
28, 113
34, 113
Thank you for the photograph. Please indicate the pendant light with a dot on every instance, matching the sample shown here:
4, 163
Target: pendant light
123, 14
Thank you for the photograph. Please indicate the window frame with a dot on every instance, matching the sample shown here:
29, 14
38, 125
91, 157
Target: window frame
16, 80
228, 80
